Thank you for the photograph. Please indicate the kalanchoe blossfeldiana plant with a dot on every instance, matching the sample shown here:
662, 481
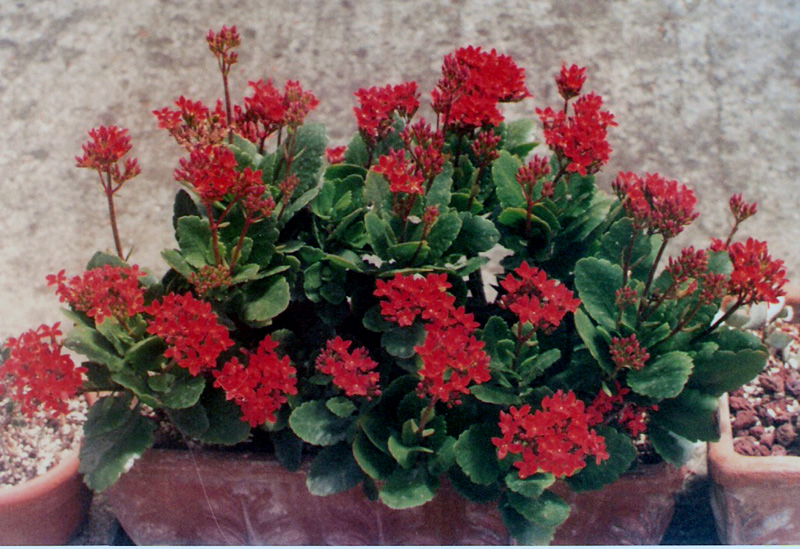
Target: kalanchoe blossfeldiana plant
332, 300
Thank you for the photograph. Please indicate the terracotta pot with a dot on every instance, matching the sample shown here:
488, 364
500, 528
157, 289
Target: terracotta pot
46, 510
174, 497
756, 500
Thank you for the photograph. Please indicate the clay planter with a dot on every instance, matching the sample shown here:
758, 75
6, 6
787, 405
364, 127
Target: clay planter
246, 499
756, 500
46, 510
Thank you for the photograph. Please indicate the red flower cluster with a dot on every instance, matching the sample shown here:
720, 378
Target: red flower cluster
570, 81
221, 44
473, 83
424, 147
536, 299
269, 110
211, 171
192, 123
210, 277
104, 150
740, 209
632, 417
335, 155
191, 330
555, 439
452, 358
103, 292
408, 298
402, 175
37, 374
378, 106
580, 138
756, 276
690, 264
484, 148
260, 388
354, 372
529, 174
655, 203
627, 353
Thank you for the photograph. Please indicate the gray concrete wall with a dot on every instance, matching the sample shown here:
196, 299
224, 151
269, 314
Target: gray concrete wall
705, 92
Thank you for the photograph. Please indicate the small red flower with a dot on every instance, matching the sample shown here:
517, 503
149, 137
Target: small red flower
192, 123
400, 173
424, 147
473, 83
570, 81
655, 203
222, 43
191, 331
102, 292
627, 353
354, 372
756, 276
690, 264
556, 439
105, 149
37, 374
335, 155
378, 106
261, 387
408, 298
580, 138
613, 407
536, 299
740, 209
268, 109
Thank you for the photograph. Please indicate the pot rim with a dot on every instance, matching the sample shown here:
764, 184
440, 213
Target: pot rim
725, 463
32, 489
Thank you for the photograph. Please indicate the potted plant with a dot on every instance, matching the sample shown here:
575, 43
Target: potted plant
43, 500
335, 309
755, 465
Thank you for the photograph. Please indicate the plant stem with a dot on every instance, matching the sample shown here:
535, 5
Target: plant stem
111, 212
650, 277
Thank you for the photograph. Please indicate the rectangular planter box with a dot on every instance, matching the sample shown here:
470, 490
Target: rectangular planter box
756, 500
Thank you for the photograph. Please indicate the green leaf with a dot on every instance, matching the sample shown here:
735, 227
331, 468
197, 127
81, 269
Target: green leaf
473, 492
379, 234
175, 260
288, 449
690, 415
592, 339
406, 455
114, 435
517, 134
673, 448
523, 531
662, 378
356, 152
409, 253
184, 206
492, 394
499, 342
341, 406
184, 391
372, 461
476, 455
534, 366
616, 241
407, 488
315, 424
443, 233
266, 300
194, 239
532, 486
310, 142
377, 193
725, 371
147, 354
547, 510
224, 423
621, 454
477, 235
400, 342
191, 422
341, 171
99, 259
504, 172
93, 346
439, 193
597, 281
518, 218
334, 470
298, 204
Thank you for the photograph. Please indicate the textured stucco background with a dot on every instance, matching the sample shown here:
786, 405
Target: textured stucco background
705, 92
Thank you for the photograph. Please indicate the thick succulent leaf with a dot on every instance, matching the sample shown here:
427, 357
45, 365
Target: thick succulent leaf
334, 470
315, 424
407, 488
621, 454
597, 281
663, 377
476, 455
